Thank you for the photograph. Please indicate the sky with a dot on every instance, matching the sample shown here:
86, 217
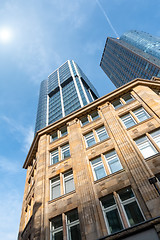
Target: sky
42, 35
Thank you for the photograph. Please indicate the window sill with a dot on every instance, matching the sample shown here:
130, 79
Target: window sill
56, 140
109, 176
136, 125
126, 104
98, 143
153, 156
62, 196
82, 126
52, 165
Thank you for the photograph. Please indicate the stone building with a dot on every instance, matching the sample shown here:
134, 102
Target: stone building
94, 174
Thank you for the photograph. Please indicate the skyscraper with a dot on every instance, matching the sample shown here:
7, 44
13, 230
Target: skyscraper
66, 90
134, 54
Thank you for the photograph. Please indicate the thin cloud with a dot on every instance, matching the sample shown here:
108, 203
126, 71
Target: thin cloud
26, 133
9, 165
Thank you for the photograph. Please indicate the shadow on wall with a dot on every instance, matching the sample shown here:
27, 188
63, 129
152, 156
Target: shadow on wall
31, 231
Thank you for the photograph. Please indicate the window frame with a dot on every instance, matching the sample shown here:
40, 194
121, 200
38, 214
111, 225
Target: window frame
149, 142
70, 177
64, 149
101, 130
90, 133
69, 225
51, 153
128, 201
52, 184
114, 156
100, 163
108, 209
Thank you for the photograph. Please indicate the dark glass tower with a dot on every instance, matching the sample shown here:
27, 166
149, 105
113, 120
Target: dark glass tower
134, 54
66, 90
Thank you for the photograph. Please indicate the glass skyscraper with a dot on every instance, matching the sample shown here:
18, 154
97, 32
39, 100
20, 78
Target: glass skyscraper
134, 54
66, 90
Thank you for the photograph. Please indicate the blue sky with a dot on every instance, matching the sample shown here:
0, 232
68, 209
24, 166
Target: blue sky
44, 35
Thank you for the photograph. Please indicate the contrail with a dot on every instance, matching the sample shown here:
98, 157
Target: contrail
108, 20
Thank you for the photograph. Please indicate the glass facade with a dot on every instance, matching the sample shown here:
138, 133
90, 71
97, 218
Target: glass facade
66, 90
134, 55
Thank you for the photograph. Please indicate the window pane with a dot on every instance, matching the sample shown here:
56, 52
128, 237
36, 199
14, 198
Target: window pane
108, 201
141, 114
65, 151
125, 193
128, 120
99, 172
101, 133
156, 136
73, 225
98, 168
117, 103
128, 98
54, 136
63, 131
133, 213
56, 191
146, 147
55, 188
90, 139
72, 216
94, 115
114, 221
113, 161
84, 120
56, 222
57, 236
75, 232
68, 182
54, 157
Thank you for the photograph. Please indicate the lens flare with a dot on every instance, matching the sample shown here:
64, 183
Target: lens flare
5, 35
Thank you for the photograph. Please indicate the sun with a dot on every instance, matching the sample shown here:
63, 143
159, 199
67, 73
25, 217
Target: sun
5, 35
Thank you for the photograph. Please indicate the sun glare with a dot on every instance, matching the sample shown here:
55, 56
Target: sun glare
5, 35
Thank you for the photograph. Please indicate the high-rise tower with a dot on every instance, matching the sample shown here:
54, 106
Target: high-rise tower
66, 90
134, 54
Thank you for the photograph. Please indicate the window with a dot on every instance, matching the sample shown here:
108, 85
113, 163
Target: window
55, 187
125, 200
56, 190
101, 133
73, 228
90, 140
111, 214
63, 131
84, 121
89, 118
113, 161
94, 115
156, 137
98, 168
65, 151
122, 100
71, 222
54, 157
59, 154
59, 133
145, 146
68, 182
54, 136
97, 135
56, 228
128, 120
141, 114
130, 206
134, 117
